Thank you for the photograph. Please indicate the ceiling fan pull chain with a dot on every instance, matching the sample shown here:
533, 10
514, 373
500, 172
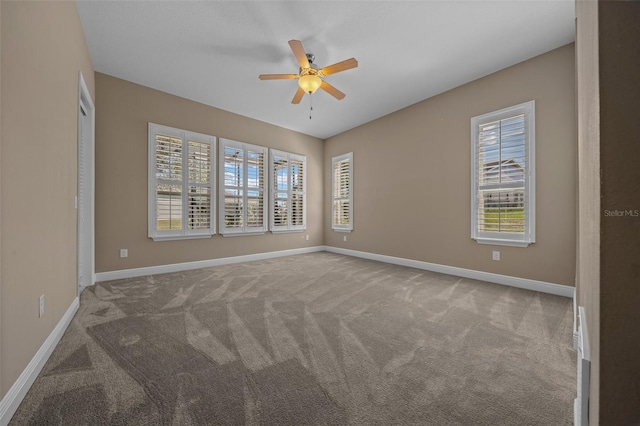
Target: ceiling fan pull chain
310, 106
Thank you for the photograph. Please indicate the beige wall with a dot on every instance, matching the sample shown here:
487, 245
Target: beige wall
588, 272
412, 175
43, 48
123, 110
1, 393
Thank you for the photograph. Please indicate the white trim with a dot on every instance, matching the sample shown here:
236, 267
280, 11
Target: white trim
244, 234
506, 239
273, 191
244, 187
575, 320
186, 136
177, 267
581, 403
16, 394
583, 335
501, 242
334, 160
84, 97
525, 283
182, 237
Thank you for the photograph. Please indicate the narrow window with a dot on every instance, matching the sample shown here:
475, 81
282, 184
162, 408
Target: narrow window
288, 191
243, 198
503, 178
342, 192
181, 171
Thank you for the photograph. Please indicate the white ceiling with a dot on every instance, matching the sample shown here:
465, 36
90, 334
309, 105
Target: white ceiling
212, 51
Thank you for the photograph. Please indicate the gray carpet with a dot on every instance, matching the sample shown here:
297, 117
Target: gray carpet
317, 339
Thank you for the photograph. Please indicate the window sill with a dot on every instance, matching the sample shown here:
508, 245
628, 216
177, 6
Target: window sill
243, 234
180, 237
286, 231
498, 242
341, 230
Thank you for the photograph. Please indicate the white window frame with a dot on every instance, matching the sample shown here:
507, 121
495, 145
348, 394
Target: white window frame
334, 199
244, 230
503, 238
290, 192
185, 232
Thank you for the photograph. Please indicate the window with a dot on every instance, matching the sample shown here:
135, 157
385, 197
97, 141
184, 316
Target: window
503, 176
288, 191
181, 171
342, 192
243, 198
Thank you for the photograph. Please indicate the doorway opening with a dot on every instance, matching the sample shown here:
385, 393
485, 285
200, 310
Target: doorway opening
86, 188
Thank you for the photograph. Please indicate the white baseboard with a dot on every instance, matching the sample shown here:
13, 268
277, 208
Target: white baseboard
16, 394
575, 318
581, 404
177, 267
541, 286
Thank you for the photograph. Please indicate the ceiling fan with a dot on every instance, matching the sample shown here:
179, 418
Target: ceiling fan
310, 77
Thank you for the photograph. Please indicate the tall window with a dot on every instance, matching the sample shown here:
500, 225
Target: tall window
181, 171
342, 192
288, 191
243, 198
503, 176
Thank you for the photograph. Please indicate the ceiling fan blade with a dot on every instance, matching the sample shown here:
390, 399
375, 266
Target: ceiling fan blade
332, 91
340, 66
298, 96
298, 50
277, 76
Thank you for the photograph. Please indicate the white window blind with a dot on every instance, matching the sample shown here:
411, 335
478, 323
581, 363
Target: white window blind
503, 191
288, 191
181, 173
342, 192
243, 199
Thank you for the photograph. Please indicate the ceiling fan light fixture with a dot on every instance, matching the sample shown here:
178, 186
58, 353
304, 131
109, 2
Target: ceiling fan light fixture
309, 83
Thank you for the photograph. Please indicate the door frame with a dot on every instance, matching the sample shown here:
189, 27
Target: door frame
84, 100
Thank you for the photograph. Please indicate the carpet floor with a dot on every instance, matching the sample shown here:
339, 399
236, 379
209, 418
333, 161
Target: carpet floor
314, 339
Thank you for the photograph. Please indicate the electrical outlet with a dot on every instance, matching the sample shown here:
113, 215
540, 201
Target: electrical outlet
41, 306
307, 238
344, 238
496, 255
124, 252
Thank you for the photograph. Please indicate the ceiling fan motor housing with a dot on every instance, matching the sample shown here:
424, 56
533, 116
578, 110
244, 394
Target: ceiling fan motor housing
313, 68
